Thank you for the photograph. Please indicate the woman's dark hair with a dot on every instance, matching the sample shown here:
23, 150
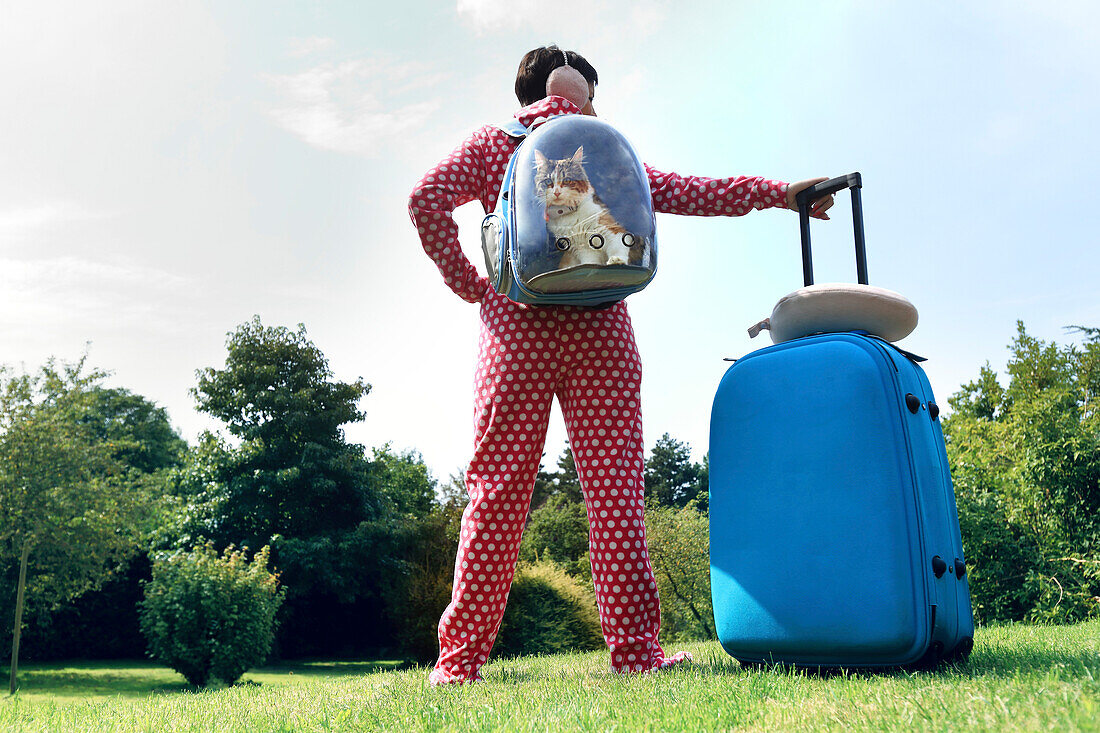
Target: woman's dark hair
536, 66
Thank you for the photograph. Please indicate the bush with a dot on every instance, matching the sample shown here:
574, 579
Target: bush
999, 556
207, 616
548, 612
1025, 462
100, 624
337, 587
417, 597
679, 546
558, 532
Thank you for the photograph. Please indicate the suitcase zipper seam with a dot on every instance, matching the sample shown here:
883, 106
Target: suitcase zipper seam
929, 590
949, 503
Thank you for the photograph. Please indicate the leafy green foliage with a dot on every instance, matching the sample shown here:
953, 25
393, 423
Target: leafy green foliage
1025, 462
558, 532
563, 482
82, 593
100, 624
679, 546
63, 488
293, 474
207, 616
194, 508
288, 478
418, 594
671, 478
548, 611
341, 587
277, 387
136, 429
345, 565
403, 480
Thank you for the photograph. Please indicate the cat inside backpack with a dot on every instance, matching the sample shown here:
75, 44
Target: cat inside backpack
580, 224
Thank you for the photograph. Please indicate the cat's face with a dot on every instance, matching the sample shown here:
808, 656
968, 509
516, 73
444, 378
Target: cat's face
561, 182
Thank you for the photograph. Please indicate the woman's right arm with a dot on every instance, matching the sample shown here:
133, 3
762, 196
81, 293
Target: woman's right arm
455, 180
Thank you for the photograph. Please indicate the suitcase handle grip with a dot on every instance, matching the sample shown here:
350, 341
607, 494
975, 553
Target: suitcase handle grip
804, 198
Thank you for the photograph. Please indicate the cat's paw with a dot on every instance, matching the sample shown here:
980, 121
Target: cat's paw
616, 261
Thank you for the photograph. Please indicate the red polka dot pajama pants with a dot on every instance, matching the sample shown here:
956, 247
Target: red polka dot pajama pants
588, 359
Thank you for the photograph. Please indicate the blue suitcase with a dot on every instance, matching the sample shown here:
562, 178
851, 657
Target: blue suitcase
834, 535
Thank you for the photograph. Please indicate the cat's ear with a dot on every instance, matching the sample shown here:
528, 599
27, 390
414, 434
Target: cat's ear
540, 159
578, 157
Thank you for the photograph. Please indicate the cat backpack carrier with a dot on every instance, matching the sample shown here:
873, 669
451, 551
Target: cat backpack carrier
834, 536
574, 221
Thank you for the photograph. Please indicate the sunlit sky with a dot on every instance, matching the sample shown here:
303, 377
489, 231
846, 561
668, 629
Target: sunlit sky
169, 169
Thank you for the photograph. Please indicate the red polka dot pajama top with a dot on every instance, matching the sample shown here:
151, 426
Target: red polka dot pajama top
585, 357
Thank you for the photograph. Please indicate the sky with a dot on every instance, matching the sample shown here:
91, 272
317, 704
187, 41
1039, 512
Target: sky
168, 170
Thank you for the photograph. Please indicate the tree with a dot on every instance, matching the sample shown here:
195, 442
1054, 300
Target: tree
139, 431
403, 480
64, 494
544, 487
198, 491
419, 580
671, 478
565, 481
103, 623
557, 526
702, 498
293, 473
558, 532
1025, 462
549, 612
337, 522
679, 544
451, 495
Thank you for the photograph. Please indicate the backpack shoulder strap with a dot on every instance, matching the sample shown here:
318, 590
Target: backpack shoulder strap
513, 128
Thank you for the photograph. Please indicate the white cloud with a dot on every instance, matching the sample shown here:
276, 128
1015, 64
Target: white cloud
300, 47
647, 19
493, 15
18, 223
67, 291
568, 19
355, 106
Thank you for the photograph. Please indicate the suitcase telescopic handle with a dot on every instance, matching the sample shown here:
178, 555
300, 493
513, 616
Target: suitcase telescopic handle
805, 198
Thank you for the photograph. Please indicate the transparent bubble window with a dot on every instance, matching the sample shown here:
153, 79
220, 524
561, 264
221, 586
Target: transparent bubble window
582, 212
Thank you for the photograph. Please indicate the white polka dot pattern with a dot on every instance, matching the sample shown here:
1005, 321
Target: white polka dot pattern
585, 357
475, 169
695, 196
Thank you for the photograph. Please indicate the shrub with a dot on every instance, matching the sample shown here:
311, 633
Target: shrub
417, 597
548, 612
1025, 462
679, 546
337, 587
208, 616
558, 532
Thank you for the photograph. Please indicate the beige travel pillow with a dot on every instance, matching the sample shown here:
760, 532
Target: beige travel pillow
833, 307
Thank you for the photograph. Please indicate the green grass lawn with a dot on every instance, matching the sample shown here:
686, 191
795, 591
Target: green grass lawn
1018, 678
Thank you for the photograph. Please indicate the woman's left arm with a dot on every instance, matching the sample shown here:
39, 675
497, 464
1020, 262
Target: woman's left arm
697, 196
